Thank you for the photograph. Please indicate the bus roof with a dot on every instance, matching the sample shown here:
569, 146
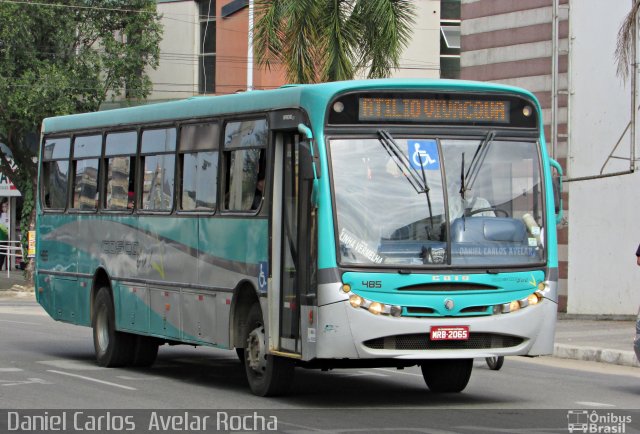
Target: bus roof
312, 97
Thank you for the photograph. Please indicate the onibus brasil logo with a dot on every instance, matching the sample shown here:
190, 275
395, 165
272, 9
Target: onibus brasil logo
593, 422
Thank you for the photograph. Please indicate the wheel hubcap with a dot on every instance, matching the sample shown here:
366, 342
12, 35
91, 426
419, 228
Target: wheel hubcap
102, 330
256, 354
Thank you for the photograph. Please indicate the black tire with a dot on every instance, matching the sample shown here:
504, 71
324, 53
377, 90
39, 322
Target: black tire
448, 375
268, 375
113, 348
495, 363
145, 352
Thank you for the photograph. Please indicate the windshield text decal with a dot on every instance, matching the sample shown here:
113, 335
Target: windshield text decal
359, 246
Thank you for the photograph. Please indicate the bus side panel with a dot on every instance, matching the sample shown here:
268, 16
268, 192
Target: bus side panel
165, 313
83, 300
133, 310
199, 316
65, 298
230, 250
44, 293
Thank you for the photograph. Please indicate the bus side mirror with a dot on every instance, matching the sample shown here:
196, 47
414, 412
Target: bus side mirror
306, 162
557, 189
309, 162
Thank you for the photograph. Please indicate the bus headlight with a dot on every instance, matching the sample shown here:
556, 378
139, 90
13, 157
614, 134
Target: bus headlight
375, 308
356, 300
515, 305
395, 311
543, 287
510, 307
533, 299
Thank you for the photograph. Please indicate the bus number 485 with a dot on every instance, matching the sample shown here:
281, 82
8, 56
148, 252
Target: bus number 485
372, 284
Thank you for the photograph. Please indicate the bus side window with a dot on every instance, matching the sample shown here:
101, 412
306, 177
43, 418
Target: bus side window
157, 163
199, 167
245, 156
120, 153
55, 172
86, 153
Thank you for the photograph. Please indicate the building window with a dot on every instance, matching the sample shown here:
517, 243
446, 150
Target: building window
450, 39
207, 56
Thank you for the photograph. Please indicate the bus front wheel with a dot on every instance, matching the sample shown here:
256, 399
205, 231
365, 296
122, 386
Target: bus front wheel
113, 348
268, 375
447, 375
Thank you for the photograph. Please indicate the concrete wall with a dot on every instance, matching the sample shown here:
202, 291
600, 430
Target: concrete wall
421, 58
177, 75
603, 229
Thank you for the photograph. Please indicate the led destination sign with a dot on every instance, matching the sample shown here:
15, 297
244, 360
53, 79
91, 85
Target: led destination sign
398, 109
434, 109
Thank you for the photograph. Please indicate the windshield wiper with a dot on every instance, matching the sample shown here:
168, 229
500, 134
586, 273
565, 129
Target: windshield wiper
476, 163
403, 163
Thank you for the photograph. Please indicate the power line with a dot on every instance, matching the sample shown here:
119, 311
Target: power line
58, 5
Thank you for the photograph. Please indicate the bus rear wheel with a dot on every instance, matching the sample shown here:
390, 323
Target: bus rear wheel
447, 375
113, 348
268, 375
146, 351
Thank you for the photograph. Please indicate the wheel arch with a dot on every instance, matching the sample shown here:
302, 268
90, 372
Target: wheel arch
245, 295
101, 279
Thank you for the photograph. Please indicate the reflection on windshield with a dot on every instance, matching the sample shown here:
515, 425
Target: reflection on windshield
383, 220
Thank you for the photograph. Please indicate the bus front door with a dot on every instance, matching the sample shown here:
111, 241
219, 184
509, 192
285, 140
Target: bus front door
292, 229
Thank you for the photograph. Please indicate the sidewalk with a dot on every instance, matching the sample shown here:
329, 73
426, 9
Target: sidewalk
605, 339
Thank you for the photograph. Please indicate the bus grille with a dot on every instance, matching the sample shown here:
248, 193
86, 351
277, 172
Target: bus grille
449, 287
421, 341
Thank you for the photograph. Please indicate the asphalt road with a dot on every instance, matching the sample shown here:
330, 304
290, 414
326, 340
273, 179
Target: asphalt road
50, 365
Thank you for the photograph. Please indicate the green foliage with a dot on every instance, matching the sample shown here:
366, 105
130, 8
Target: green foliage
68, 57
329, 40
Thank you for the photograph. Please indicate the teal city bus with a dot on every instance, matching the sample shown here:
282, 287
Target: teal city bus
378, 223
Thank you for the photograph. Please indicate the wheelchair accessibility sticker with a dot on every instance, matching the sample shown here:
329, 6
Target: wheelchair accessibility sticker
424, 154
262, 276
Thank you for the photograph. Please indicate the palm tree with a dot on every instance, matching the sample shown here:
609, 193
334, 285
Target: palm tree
329, 40
625, 45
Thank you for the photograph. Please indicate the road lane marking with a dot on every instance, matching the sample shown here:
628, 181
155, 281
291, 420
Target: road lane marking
73, 365
20, 383
95, 380
594, 404
10, 370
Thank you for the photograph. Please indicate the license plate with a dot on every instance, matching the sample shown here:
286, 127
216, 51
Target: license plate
449, 333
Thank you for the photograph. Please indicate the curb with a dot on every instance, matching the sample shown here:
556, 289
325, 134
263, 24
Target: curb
593, 354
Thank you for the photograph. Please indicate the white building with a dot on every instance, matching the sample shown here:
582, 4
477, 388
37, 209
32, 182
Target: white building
570, 67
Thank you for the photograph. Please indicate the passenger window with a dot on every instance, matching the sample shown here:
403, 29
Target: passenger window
86, 163
199, 163
120, 150
245, 152
55, 172
158, 165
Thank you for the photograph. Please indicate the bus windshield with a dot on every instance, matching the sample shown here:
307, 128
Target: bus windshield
418, 201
